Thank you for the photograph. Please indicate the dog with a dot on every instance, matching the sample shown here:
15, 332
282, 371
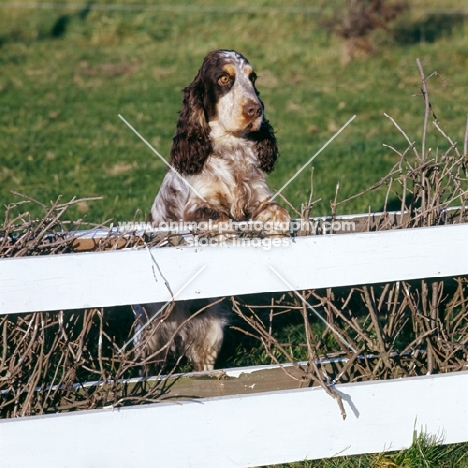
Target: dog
222, 148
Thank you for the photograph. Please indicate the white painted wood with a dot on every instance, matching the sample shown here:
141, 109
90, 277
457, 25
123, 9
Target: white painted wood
244, 431
136, 276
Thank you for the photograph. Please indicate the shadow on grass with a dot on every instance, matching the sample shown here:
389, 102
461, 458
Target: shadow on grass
429, 29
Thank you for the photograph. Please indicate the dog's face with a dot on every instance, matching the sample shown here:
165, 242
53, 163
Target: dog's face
232, 99
222, 107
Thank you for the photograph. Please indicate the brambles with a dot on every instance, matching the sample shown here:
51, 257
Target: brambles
383, 331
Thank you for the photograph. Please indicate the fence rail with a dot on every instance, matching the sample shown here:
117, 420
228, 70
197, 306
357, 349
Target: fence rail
251, 430
130, 276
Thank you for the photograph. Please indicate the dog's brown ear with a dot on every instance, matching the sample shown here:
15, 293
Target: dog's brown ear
267, 146
191, 144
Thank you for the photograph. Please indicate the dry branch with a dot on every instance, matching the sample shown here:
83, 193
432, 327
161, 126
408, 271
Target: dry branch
394, 330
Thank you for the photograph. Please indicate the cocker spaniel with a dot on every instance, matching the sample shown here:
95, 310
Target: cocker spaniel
222, 148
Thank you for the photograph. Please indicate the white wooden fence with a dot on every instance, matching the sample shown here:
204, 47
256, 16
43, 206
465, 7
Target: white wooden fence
239, 430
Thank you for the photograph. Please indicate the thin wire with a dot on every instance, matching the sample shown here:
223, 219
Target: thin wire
168, 8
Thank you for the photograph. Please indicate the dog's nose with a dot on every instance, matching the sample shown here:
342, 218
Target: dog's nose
252, 109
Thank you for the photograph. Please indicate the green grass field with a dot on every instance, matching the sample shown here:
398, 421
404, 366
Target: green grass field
66, 73
425, 452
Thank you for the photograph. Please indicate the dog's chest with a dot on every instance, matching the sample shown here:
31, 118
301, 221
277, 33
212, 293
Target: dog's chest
238, 179
237, 164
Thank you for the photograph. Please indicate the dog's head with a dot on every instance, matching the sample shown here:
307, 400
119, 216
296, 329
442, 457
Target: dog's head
230, 96
223, 92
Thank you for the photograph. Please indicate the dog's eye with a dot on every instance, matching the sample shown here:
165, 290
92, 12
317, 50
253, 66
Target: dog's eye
253, 77
224, 79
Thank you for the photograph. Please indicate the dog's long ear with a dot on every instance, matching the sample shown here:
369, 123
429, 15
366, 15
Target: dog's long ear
191, 144
267, 147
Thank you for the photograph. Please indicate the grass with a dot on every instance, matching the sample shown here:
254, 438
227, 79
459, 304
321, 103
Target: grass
61, 93
425, 452
66, 74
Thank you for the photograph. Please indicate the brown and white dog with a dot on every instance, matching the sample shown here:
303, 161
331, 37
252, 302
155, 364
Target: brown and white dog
223, 146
